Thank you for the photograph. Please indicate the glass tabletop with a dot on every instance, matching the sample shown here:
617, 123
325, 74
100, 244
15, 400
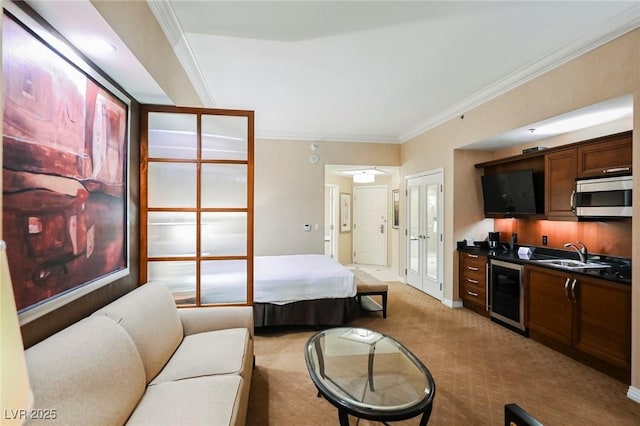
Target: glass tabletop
367, 370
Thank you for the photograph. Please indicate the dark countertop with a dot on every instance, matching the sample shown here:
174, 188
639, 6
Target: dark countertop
620, 270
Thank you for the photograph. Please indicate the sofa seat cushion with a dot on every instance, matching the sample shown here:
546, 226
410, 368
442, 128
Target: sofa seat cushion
212, 400
149, 315
210, 353
90, 373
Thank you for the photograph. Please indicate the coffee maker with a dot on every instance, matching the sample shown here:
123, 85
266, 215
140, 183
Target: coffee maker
494, 240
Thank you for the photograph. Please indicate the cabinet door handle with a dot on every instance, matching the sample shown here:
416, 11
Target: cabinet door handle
572, 201
472, 268
617, 169
475, 256
472, 281
573, 290
472, 293
566, 288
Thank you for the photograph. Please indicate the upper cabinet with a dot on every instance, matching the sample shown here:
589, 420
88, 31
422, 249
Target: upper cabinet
561, 170
609, 155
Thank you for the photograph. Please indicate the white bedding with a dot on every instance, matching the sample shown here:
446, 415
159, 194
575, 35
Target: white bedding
277, 280
284, 279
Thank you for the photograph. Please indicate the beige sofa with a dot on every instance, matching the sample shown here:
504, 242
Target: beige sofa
140, 360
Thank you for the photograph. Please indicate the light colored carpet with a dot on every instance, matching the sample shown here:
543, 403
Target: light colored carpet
478, 366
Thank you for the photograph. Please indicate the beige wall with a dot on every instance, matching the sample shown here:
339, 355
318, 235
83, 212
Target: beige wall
345, 243
610, 71
289, 190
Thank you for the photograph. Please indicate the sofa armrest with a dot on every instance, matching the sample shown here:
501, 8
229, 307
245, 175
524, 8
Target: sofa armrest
198, 320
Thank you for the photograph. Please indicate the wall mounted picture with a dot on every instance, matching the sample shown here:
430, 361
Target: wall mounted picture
64, 172
396, 208
345, 212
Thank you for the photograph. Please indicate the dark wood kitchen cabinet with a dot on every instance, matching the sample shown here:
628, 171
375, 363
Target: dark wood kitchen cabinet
581, 315
610, 156
473, 281
603, 320
549, 309
561, 170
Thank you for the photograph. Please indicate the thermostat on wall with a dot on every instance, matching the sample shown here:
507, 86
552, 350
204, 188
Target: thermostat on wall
307, 227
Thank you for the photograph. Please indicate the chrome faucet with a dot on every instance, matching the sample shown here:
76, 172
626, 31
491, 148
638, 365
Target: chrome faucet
582, 252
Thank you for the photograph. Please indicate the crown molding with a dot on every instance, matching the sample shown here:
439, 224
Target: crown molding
625, 22
170, 25
335, 137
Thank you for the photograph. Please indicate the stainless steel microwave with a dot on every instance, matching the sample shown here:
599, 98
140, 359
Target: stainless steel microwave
603, 197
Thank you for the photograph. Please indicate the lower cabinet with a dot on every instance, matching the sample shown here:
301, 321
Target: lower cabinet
473, 281
584, 315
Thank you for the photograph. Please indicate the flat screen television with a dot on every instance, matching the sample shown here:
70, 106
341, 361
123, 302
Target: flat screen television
509, 193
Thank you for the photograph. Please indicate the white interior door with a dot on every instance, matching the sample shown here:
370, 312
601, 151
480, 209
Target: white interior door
370, 225
424, 206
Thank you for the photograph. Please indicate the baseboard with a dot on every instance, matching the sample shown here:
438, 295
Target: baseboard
634, 394
452, 303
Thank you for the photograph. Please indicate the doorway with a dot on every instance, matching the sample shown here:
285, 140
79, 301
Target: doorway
425, 247
370, 225
330, 220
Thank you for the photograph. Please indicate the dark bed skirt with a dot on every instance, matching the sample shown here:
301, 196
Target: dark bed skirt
306, 312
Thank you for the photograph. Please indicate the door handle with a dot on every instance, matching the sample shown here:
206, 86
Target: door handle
573, 290
566, 288
382, 228
572, 201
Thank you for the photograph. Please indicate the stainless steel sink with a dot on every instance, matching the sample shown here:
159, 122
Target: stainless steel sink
573, 264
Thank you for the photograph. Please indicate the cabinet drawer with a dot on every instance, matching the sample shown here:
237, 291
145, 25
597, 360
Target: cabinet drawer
473, 262
473, 294
474, 281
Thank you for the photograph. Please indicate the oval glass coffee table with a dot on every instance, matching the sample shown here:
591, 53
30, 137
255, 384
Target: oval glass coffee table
369, 375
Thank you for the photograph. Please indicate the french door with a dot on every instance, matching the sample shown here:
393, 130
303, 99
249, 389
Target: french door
424, 207
197, 203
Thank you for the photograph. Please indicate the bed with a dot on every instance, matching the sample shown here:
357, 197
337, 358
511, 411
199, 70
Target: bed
305, 289
302, 290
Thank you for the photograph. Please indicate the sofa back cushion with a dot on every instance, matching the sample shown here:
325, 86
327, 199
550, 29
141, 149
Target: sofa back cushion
151, 318
90, 373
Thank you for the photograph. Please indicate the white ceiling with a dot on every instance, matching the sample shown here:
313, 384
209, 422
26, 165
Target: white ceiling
360, 70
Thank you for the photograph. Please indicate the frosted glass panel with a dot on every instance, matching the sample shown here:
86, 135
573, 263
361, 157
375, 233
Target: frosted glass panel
172, 185
432, 231
172, 135
224, 137
414, 229
224, 185
171, 234
180, 277
223, 234
223, 281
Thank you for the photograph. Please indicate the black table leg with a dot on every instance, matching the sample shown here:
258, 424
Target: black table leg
425, 416
344, 417
372, 352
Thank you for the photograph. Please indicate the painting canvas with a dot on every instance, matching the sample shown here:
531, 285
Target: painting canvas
396, 208
345, 212
64, 172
